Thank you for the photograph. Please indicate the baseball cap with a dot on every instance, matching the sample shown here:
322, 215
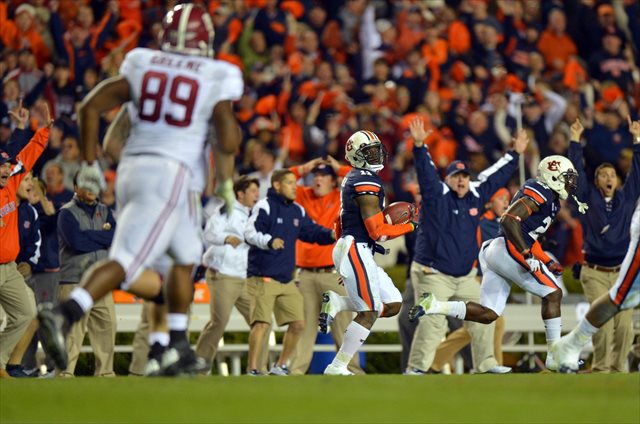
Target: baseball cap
605, 9
501, 192
5, 157
456, 167
324, 169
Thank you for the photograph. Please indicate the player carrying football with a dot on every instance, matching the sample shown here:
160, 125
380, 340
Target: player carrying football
371, 293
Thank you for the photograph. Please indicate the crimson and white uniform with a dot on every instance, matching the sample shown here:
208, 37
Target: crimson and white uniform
173, 98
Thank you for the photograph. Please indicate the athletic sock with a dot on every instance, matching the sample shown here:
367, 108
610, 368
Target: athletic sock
552, 328
354, 337
79, 303
455, 309
177, 324
581, 335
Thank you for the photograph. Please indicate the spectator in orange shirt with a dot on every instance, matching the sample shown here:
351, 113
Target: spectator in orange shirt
555, 45
14, 297
316, 273
22, 33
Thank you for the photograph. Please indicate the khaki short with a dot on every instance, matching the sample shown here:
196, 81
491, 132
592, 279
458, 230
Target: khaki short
270, 297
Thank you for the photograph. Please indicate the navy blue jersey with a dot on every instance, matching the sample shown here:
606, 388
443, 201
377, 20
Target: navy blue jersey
358, 182
539, 222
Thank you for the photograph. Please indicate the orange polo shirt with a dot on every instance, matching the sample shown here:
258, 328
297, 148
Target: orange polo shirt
324, 211
9, 239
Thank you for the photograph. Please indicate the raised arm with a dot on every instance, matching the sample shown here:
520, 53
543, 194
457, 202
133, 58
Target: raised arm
498, 174
428, 179
632, 184
575, 156
117, 134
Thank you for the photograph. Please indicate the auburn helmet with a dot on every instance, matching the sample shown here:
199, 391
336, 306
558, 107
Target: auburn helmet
558, 173
364, 150
187, 29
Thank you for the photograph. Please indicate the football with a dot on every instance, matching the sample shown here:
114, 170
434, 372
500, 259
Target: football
400, 213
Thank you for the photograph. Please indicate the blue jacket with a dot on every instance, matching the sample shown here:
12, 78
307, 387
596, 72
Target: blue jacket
49, 259
277, 217
84, 241
606, 235
446, 238
29, 233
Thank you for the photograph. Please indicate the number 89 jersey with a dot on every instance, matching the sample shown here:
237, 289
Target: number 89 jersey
173, 97
546, 200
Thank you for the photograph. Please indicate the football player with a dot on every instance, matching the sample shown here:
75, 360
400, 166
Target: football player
174, 93
371, 293
513, 257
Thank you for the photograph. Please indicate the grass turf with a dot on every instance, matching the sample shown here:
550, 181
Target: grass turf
531, 398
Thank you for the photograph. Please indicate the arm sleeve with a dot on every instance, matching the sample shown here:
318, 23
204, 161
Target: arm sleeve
575, 156
32, 151
57, 32
213, 234
497, 175
102, 32
632, 184
379, 230
428, 178
256, 232
18, 141
555, 112
69, 231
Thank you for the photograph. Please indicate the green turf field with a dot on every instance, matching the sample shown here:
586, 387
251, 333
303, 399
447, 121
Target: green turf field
530, 398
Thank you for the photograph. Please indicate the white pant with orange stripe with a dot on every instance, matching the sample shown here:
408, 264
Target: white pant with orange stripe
626, 291
500, 267
156, 215
368, 286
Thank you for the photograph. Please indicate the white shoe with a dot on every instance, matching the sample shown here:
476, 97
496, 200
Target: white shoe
414, 371
329, 310
550, 362
336, 370
567, 355
498, 369
279, 370
152, 369
422, 307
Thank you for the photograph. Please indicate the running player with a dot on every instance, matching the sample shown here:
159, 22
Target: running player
511, 256
371, 293
175, 93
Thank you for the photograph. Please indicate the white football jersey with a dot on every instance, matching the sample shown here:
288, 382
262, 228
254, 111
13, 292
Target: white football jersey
173, 97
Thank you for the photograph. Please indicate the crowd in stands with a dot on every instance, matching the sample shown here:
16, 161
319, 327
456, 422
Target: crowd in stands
316, 71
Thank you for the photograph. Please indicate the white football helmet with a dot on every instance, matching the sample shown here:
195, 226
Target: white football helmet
558, 173
364, 150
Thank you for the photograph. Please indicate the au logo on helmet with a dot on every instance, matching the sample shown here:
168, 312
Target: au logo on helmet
553, 165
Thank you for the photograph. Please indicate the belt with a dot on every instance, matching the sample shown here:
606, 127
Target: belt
602, 268
319, 269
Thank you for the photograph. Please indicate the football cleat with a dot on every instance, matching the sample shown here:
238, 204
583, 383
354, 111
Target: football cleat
567, 355
182, 360
152, 369
254, 373
422, 307
336, 370
52, 330
550, 362
328, 311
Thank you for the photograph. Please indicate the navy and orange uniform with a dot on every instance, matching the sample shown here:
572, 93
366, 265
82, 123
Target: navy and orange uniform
9, 236
357, 183
539, 221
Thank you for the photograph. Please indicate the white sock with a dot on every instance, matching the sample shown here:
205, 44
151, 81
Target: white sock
552, 328
82, 298
159, 337
177, 322
354, 337
456, 309
581, 335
